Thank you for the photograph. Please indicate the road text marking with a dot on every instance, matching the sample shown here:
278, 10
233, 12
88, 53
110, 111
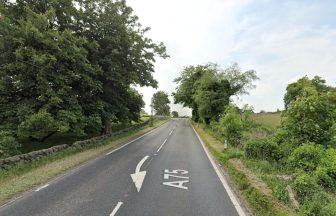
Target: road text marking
116, 208
177, 184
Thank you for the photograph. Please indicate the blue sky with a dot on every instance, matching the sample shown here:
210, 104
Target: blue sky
281, 40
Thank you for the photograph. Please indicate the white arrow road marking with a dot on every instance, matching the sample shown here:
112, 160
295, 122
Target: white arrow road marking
139, 176
161, 145
116, 208
42, 187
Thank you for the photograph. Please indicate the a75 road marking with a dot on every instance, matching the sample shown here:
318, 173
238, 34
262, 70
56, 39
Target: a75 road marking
177, 174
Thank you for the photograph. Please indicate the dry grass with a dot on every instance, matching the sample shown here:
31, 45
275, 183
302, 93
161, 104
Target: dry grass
14, 185
268, 119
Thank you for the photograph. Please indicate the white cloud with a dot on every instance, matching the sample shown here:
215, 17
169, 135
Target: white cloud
280, 43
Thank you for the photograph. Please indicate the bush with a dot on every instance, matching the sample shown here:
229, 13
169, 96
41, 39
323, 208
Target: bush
263, 148
311, 117
307, 157
305, 187
39, 125
231, 126
329, 210
326, 172
8, 145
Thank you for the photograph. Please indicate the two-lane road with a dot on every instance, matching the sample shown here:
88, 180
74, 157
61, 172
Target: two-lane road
166, 172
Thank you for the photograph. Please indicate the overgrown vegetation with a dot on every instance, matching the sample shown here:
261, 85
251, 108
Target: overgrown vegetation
292, 153
69, 67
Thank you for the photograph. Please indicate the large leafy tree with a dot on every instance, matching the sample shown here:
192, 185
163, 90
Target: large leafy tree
161, 102
118, 47
207, 89
71, 66
43, 70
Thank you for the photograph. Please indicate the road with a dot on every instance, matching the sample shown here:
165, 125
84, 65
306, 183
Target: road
165, 172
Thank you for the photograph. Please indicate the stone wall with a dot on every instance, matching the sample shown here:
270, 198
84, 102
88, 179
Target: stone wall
28, 157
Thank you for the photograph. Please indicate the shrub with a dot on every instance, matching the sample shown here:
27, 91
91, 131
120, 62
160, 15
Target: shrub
231, 126
307, 157
311, 117
39, 125
8, 145
326, 172
305, 187
329, 210
263, 148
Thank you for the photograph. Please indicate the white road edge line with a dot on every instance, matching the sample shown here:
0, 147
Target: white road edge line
42, 187
171, 132
162, 145
114, 150
222, 179
116, 208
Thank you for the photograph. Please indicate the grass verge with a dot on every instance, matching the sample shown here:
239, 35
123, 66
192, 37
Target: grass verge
24, 177
255, 192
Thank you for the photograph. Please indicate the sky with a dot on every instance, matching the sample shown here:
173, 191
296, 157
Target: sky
281, 40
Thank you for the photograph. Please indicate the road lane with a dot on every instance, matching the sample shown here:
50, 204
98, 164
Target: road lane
205, 194
105, 187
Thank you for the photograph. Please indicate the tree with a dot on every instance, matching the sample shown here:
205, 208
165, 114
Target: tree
297, 89
161, 103
311, 112
207, 89
175, 114
74, 63
43, 69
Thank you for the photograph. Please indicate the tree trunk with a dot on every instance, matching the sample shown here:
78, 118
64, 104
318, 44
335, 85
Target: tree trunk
107, 129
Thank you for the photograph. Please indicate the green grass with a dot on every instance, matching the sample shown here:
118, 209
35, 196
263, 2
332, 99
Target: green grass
268, 119
23, 177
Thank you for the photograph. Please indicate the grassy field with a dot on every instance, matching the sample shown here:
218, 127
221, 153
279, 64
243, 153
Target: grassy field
23, 177
267, 119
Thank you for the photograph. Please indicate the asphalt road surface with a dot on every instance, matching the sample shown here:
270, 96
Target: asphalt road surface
165, 172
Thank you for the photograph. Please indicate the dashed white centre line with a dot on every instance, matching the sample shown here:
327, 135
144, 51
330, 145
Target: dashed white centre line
162, 145
42, 187
171, 132
116, 208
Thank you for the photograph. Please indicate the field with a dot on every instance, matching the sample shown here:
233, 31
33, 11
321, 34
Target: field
268, 119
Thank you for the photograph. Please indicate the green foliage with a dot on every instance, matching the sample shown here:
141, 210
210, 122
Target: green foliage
298, 89
305, 187
175, 114
263, 149
311, 116
307, 157
326, 171
207, 89
8, 145
40, 125
160, 103
329, 210
231, 126
73, 63
260, 202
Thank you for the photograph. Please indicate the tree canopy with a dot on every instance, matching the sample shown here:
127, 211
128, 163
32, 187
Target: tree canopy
207, 89
161, 103
71, 66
